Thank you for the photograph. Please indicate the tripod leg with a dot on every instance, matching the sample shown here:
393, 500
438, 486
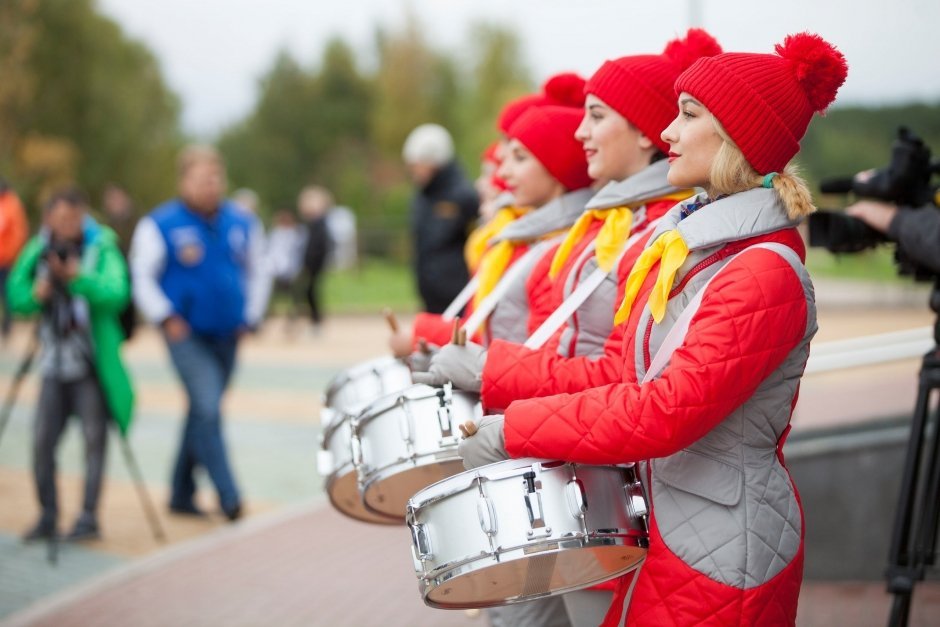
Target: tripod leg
901, 572
926, 540
14, 388
145, 501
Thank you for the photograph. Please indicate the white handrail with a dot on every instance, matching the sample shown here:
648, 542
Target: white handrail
870, 349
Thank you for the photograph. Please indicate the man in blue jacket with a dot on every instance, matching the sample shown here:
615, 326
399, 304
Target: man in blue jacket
198, 274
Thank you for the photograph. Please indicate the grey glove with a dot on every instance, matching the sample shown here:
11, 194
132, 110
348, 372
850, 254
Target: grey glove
461, 365
487, 446
420, 360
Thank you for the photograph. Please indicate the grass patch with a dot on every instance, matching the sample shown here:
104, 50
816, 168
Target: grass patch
375, 284
876, 264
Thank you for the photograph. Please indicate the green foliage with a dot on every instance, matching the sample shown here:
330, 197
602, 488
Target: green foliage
85, 104
376, 284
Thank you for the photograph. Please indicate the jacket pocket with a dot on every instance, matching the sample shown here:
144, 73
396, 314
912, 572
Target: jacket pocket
702, 476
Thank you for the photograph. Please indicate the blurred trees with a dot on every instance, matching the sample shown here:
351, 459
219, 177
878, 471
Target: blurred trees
80, 102
340, 126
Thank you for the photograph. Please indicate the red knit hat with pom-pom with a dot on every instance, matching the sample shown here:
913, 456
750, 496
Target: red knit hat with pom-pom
564, 90
639, 87
548, 133
766, 101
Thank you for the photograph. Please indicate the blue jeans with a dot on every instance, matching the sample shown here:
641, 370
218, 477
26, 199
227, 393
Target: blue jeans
204, 365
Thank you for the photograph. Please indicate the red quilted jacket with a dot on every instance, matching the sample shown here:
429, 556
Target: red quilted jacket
513, 371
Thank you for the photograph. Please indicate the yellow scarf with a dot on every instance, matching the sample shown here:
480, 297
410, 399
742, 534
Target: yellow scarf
617, 224
613, 234
671, 251
479, 239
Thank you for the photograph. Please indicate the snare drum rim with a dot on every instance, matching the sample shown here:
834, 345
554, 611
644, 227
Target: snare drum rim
388, 402
379, 364
367, 480
441, 575
333, 477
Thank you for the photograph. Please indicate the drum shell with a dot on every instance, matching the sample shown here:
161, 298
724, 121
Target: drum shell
408, 441
342, 478
457, 562
363, 383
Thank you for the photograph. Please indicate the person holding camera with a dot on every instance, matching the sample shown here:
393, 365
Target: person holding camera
74, 275
200, 276
916, 230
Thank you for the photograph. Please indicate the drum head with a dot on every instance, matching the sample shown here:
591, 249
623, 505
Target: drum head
532, 576
388, 495
343, 490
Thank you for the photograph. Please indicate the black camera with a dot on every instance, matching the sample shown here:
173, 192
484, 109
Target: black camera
63, 249
906, 182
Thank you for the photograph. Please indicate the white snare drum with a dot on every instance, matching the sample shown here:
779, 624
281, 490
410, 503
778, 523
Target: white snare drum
407, 441
522, 529
363, 383
334, 461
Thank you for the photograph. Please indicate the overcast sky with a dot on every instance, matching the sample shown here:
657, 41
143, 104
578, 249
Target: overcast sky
213, 51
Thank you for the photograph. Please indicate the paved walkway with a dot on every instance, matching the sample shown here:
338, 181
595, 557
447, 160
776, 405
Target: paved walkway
293, 560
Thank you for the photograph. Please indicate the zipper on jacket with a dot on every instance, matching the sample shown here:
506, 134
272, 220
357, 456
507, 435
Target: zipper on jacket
701, 265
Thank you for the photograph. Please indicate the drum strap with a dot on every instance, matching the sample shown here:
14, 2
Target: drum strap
676, 335
509, 279
462, 299
622, 594
579, 295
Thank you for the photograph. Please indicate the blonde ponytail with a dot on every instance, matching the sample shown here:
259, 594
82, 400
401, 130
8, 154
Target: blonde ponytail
731, 173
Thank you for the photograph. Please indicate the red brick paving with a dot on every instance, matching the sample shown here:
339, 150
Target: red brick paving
313, 567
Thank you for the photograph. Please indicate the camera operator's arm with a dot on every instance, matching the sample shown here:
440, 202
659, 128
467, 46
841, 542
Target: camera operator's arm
916, 231
104, 286
27, 292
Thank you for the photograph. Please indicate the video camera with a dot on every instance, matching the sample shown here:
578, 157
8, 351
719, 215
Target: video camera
906, 182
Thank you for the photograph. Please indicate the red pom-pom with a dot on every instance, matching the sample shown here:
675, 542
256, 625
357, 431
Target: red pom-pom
565, 89
818, 66
697, 44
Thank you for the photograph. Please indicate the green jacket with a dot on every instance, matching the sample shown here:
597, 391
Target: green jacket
103, 282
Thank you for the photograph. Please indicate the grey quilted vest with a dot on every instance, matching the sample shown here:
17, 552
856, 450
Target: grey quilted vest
509, 320
588, 328
725, 505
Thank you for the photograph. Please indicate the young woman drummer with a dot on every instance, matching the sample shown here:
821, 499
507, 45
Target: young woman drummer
726, 530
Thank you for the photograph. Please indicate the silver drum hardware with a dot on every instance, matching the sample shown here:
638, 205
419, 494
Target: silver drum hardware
524, 529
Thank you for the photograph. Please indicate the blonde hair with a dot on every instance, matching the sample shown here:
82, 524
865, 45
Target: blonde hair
197, 153
730, 173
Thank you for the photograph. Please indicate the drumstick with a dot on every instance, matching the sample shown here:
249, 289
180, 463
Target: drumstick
423, 347
468, 428
455, 335
390, 318
462, 338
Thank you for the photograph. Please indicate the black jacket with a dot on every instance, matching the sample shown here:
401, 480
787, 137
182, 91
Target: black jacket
318, 245
917, 232
441, 216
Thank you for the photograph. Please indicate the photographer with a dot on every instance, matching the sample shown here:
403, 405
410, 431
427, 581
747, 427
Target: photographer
72, 273
917, 231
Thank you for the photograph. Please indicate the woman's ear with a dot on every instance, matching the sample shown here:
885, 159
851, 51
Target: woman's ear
644, 142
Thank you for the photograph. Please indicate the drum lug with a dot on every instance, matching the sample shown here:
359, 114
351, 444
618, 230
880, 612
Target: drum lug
636, 500
421, 543
356, 449
533, 506
444, 418
577, 500
487, 515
